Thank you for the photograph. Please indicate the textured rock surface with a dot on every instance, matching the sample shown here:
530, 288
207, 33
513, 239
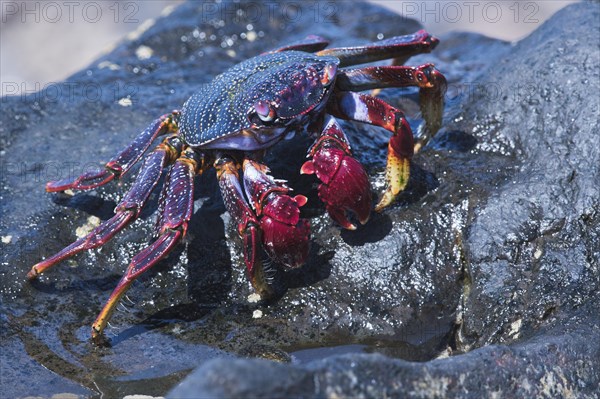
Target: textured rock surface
495, 244
551, 366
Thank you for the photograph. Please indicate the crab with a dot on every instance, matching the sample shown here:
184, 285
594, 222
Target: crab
229, 124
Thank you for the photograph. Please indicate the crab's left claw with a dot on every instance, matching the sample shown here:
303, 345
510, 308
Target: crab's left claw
345, 185
285, 236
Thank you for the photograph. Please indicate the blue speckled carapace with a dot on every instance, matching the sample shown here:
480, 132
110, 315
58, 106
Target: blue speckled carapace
220, 114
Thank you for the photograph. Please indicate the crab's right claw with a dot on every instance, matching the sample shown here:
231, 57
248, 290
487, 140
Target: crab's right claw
345, 185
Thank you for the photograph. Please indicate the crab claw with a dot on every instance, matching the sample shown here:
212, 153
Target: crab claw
345, 185
285, 235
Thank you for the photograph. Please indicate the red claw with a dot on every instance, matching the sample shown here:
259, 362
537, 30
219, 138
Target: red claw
345, 185
285, 235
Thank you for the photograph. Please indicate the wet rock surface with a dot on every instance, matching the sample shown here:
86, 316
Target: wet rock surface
492, 250
539, 368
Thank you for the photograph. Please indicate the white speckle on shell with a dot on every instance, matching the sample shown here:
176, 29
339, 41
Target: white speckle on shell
6, 239
257, 314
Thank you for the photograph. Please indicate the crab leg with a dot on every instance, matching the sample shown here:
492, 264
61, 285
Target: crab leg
247, 223
431, 82
177, 211
345, 185
372, 110
400, 48
120, 164
127, 210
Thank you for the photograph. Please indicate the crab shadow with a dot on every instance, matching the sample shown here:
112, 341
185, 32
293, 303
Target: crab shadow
94, 204
210, 268
209, 264
315, 269
380, 224
184, 312
79, 285
453, 140
90, 204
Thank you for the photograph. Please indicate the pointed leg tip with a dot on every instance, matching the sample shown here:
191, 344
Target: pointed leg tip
418, 146
375, 92
262, 287
54, 186
95, 333
301, 200
308, 168
98, 337
339, 216
345, 223
33, 273
386, 200
61, 185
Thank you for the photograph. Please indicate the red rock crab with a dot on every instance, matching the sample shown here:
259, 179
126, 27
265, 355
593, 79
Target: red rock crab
230, 123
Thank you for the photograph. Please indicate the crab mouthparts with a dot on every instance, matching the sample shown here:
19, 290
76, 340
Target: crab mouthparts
254, 139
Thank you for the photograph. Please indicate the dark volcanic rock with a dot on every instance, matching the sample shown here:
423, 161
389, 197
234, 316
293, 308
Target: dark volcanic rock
549, 366
529, 245
494, 245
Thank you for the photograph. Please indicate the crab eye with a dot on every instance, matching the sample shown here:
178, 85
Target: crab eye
265, 112
328, 74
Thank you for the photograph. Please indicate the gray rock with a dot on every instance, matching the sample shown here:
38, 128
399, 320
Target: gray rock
494, 245
547, 366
